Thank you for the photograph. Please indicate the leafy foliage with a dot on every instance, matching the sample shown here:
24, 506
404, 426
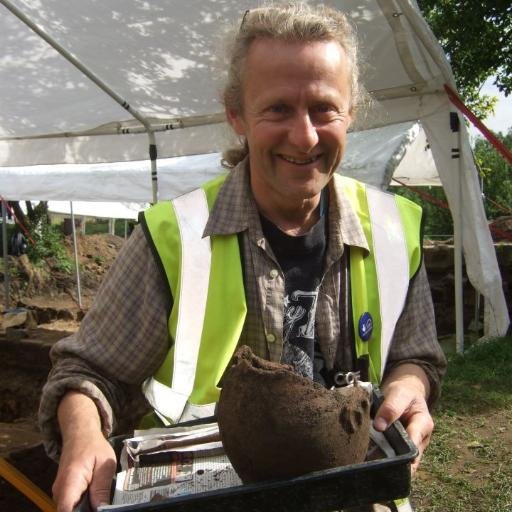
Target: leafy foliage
49, 244
48, 238
437, 221
35, 213
100, 226
497, 176
477, 39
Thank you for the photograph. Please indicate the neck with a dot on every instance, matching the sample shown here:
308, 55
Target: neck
293, 218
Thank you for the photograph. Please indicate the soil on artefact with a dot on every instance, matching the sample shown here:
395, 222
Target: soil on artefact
266, 411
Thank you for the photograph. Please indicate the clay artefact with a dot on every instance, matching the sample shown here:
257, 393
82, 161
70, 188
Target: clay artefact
276, 424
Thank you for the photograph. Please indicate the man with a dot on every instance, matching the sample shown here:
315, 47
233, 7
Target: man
294, 265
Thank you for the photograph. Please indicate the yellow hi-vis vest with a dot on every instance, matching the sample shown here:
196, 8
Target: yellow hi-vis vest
205, 279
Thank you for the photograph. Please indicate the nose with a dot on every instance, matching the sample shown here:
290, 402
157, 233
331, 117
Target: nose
302, 134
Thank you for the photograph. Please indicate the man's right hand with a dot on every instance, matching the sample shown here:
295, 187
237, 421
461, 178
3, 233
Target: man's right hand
87, 460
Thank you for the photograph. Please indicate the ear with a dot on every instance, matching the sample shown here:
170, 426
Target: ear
236, 121
351, 116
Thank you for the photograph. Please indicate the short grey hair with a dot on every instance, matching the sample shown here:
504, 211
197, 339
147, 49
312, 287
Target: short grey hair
289, 22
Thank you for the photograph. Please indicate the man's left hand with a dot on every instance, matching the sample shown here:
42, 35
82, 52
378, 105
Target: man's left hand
406, 390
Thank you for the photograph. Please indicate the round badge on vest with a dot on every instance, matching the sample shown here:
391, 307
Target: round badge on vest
365, 326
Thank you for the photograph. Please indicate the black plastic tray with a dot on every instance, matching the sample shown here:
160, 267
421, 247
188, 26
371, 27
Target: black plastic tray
321, 491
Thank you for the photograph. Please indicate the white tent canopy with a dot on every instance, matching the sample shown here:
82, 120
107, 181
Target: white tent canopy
158, 57
373, 156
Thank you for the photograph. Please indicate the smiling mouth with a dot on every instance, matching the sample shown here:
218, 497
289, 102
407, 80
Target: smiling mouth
299, 161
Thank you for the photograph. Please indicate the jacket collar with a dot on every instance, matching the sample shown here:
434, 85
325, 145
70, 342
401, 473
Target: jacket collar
234, 207
235, 210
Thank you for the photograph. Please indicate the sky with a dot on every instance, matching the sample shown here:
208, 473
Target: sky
501, 121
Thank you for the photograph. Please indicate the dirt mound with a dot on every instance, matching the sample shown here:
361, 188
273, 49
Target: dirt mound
266, 412
96, 252
46, 286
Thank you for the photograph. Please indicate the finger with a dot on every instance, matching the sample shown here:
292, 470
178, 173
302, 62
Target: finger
99, 490
419, 431
68, 489
415, 464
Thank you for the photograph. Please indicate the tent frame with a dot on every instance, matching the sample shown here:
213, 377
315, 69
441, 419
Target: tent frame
431, 123
5, 258
102, 85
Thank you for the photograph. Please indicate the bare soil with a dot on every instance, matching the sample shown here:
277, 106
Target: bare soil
51, 298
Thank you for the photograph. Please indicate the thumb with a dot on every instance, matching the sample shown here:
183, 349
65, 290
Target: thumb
101, 483
389, 411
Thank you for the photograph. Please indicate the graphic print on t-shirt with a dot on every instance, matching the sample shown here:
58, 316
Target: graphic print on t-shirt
299, 330
299, 315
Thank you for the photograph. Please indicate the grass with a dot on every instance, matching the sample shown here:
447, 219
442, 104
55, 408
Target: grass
468, 465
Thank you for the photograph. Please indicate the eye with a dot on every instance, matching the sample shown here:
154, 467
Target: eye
279, 109
325, 108
326, 113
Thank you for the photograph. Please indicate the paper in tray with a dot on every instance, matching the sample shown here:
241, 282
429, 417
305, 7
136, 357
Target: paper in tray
321, 491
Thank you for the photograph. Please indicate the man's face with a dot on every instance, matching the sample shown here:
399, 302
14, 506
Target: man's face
296, 112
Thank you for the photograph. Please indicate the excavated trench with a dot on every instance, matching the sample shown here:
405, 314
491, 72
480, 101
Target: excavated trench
25, 365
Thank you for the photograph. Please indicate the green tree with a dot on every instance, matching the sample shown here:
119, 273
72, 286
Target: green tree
497, 176
476, 36
35, 213
45, 239
437, 220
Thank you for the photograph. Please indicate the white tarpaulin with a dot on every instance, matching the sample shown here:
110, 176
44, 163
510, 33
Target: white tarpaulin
159, 58
100, 209
373, 156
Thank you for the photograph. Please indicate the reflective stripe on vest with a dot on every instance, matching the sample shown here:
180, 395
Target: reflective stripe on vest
392, 264
403, 505
380, 280
203, 275
192, 215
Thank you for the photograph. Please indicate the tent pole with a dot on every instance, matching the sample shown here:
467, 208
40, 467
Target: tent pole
102, 85
457, 234
498, 145
77, 270
153, 157
6, 258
